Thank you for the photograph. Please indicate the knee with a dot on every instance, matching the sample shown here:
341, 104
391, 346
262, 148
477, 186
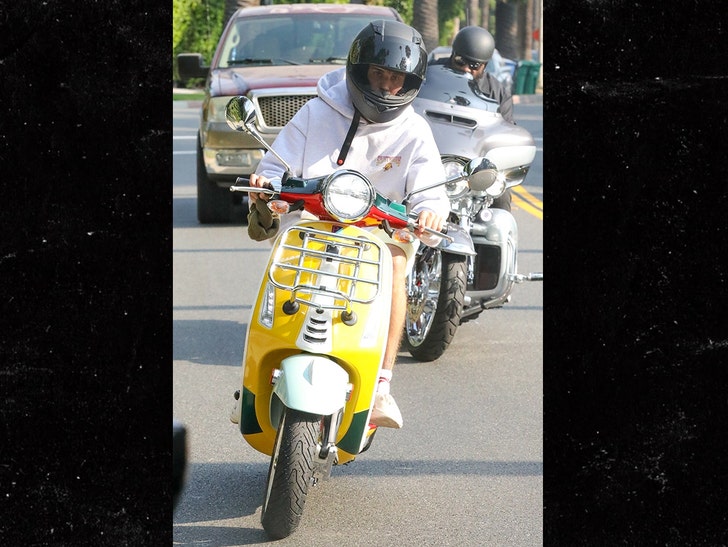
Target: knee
399, 263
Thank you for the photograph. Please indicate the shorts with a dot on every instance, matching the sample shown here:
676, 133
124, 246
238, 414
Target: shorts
410, 249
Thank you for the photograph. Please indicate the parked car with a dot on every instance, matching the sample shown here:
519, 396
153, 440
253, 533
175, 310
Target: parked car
500, 67
275, 55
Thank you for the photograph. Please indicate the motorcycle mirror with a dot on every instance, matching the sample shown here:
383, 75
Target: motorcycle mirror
240, 115
481, 174
240, 112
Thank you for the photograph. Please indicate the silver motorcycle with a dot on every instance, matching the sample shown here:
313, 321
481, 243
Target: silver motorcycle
448, 287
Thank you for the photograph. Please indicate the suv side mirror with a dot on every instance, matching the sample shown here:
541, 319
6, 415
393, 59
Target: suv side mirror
191, 65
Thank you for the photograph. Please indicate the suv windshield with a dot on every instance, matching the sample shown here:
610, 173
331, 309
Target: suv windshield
285, 40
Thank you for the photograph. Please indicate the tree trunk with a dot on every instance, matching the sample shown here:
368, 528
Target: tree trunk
528, 31
508, 39
485, 14
425, 21
473, 15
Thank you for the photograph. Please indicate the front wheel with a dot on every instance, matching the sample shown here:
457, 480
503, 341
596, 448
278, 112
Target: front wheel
435, 296
290, 472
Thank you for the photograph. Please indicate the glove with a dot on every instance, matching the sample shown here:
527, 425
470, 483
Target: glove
262, 222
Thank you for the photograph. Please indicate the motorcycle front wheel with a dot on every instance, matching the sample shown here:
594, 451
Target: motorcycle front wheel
290, 472
435, 296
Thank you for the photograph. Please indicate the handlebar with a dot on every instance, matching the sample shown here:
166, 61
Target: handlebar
411, 224
254, 189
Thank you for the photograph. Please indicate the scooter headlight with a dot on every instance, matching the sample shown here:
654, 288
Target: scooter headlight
347, 196
454, 168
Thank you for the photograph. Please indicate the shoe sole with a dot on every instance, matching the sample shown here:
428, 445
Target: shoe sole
384, 421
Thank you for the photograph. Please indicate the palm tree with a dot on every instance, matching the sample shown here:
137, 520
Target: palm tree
425, 21
509, 23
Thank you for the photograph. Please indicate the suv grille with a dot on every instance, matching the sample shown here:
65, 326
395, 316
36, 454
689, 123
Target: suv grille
276, 111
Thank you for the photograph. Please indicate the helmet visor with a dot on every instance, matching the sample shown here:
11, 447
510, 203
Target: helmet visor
393, 54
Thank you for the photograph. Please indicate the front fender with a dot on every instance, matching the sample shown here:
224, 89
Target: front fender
309, 383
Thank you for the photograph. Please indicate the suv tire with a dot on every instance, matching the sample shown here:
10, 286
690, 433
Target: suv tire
213, 204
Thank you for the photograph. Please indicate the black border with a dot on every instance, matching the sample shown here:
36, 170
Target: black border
85, 265
635, 292
635, 297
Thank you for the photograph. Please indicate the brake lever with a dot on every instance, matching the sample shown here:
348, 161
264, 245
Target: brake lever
254, 189
267, 189
438, 233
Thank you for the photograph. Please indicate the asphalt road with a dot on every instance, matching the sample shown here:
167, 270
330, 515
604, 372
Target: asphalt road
466, 468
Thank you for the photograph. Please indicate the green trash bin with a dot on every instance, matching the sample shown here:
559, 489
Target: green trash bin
526, 77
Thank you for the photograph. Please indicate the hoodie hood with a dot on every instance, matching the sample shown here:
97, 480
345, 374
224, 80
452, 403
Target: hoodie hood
333, 91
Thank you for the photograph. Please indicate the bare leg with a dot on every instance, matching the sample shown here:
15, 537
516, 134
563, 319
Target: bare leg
386, 413
399, 307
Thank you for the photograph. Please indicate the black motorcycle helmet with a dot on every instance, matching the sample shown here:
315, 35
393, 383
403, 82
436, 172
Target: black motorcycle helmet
392, 46
474, 44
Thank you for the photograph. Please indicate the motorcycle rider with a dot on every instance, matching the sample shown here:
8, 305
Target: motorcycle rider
472, 48
362, 119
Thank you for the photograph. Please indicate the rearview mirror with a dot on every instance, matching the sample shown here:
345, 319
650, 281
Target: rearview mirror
481, 174
239, 113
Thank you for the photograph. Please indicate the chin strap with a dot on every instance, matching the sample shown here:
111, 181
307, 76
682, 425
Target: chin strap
349, 137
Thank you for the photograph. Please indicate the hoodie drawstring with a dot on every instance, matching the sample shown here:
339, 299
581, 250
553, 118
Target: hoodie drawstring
349, 137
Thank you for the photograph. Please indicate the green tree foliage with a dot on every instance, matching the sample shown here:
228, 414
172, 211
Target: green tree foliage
196, 28
447, 12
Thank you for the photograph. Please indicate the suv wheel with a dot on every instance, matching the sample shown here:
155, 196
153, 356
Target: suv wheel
213, 204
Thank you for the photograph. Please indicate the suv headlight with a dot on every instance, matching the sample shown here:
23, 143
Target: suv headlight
216, 109
347, 195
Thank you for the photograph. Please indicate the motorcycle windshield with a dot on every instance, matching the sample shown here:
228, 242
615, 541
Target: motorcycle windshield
446, 85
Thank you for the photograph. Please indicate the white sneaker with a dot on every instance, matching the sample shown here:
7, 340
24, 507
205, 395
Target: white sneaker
386, 412
235, 411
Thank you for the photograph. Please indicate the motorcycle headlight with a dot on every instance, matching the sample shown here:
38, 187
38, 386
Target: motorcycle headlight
347, 196
454, 168
498, 186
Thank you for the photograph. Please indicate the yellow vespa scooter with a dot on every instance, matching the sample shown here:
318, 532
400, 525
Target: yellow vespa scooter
317, 332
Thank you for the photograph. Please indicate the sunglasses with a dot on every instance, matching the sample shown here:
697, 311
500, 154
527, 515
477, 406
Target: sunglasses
460, 61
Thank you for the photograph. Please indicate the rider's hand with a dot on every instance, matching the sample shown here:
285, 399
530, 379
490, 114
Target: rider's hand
262, 223
429, 219
259, 182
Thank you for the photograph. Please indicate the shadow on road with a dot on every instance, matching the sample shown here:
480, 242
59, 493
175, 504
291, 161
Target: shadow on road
219, 491
209, 342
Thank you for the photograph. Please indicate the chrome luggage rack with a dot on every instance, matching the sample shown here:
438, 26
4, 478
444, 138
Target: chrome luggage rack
332, 270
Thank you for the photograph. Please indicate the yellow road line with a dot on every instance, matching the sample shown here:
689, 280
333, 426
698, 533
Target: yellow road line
528, 202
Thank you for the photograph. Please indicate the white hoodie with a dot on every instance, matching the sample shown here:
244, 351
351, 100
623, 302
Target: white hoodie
397, 156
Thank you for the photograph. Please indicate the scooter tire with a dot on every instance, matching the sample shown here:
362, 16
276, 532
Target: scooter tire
290, 473
446, 319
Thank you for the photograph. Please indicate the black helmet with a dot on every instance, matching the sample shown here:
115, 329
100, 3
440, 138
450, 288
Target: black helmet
393, 46
474, 44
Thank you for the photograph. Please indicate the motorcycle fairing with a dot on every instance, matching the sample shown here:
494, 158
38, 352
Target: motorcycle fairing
501, 235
